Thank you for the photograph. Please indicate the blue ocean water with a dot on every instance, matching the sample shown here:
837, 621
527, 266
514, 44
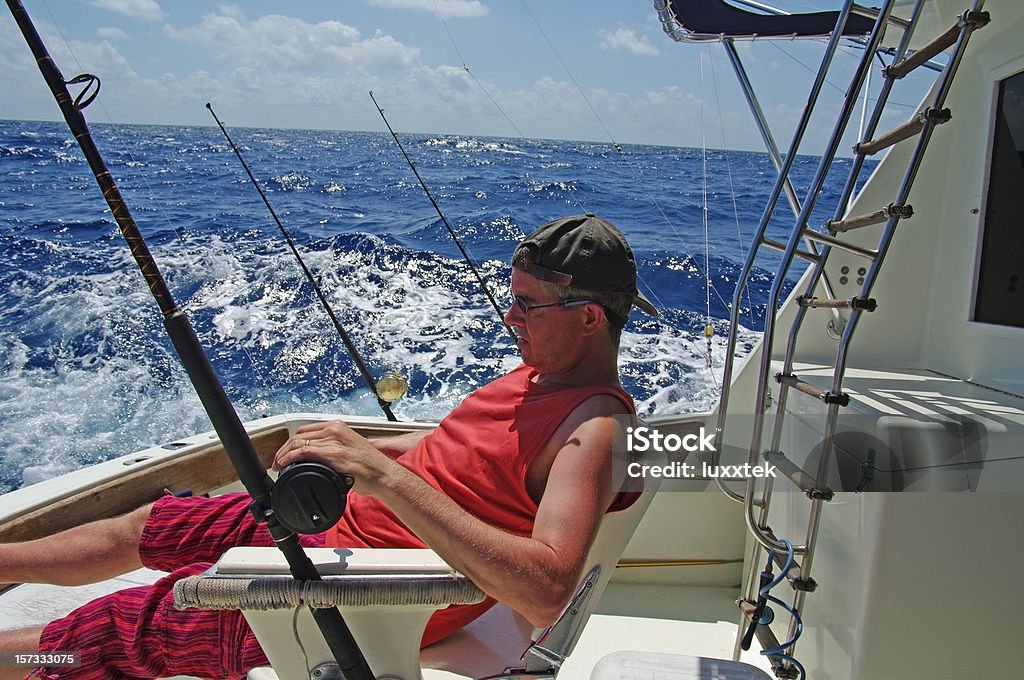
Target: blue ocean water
86, 371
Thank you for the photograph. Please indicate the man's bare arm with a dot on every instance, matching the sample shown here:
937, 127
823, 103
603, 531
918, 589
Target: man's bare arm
395, 445
533, 574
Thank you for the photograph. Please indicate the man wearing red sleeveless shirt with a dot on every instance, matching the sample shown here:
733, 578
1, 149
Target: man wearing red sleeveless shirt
509, 489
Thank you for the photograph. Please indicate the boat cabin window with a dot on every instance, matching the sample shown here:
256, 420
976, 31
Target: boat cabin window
1000, 293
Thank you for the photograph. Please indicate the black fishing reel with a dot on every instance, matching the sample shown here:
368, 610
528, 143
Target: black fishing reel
310, 498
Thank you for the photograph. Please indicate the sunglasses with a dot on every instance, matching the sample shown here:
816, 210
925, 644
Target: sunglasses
574, 302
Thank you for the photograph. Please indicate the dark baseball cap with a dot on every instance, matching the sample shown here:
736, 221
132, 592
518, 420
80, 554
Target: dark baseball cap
588, 252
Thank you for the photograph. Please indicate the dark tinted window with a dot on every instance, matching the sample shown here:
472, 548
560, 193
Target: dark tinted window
1000, 295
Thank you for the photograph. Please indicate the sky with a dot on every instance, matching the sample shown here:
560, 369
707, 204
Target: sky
599, 70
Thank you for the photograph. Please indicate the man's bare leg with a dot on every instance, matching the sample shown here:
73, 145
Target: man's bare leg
86, 554
20, 641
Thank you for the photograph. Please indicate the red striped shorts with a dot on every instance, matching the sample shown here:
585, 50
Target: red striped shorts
138, 633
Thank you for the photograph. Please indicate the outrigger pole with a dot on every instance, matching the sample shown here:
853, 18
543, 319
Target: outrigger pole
215, 401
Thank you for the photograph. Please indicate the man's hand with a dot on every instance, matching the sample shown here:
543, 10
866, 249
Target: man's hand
339, 447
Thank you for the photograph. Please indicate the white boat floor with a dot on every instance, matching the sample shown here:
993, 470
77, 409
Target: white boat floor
691, 620
694, 620
31, 604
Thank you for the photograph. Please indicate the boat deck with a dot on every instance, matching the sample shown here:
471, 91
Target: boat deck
691, 620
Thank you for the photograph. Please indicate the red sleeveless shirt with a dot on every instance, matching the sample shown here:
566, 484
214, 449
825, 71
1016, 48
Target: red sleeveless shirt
478, 456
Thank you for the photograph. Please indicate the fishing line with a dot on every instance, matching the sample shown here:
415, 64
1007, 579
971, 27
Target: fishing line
447, 224
472, 75
571, 77
732, 189
298, 638
571, 199
709, 329
844, 50
349, 345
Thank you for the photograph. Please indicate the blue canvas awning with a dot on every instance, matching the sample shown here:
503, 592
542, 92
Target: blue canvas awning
719, 18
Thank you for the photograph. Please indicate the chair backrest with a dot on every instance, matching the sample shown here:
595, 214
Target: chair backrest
554, 643
499, 635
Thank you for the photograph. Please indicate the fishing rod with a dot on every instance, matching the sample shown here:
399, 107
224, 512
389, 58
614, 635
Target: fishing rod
376, 387
190, 351
447, 224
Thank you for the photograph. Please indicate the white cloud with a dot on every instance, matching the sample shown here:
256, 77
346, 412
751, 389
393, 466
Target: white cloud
284, 43
231, 10
147, 10
286, 72
278, 71
624, 38
111, 33
463, 9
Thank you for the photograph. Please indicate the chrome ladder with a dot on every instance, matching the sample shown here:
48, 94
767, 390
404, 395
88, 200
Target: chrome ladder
819, 244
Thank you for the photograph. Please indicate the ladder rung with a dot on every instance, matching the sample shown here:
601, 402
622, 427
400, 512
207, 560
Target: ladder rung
863, 304
905, 131
824, 395
806, 483
781, 247
969, 18
795, 573
877, 217
841, 245
872, 13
